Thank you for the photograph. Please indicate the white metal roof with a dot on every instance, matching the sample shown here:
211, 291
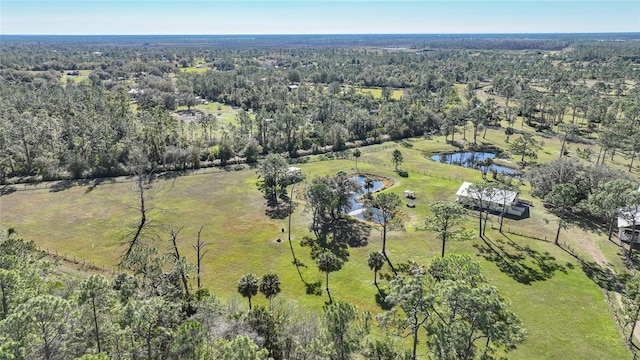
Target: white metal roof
497, 197
628, 216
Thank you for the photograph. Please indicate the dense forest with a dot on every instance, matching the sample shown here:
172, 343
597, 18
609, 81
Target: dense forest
292, 100
91, 107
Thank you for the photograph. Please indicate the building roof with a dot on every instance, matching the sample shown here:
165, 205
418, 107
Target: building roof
497, 197
628, 216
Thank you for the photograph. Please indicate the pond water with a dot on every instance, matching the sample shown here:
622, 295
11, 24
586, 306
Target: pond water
357, 208
470, 160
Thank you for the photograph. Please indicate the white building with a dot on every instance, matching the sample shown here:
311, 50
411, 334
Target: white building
629, 225
491, 199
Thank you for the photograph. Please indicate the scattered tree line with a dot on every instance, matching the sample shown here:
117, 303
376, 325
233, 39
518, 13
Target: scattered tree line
54, 127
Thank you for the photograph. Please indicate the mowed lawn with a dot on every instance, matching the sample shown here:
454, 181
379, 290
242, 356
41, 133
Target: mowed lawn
565, 312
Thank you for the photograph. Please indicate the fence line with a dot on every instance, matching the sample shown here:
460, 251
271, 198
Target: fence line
77, 261
520, 233
208, 168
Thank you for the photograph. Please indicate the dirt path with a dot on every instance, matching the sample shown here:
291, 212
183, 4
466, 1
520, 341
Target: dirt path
594, 252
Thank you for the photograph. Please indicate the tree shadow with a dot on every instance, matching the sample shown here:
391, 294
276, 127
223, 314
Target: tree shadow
381, 300
405, 143
522, 264
7, 189
605, 278
582, 221
355, 233
484, 146
91, 183
280, 210
314, 288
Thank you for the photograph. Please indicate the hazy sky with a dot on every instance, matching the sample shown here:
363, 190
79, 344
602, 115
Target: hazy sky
316, 16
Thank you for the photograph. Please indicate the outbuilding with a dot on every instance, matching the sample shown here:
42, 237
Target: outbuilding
629, 225
491, 199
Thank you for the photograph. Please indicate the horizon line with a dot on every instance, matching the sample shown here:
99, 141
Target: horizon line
329, 34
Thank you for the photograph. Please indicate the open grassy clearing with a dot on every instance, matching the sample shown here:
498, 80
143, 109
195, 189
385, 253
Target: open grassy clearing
225, 114
564, 310
195, 69
83, 75
377, 93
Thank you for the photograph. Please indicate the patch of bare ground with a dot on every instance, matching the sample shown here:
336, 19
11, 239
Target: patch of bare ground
614, 296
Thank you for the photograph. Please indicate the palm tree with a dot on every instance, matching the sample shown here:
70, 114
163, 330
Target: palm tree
375, 261
356, 154
397, 158
248, 286
328, 262
368, 184
270, 286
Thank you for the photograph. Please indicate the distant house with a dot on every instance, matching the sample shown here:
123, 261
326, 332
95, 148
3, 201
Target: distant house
292, 87
492, 200
293, 170
629, 225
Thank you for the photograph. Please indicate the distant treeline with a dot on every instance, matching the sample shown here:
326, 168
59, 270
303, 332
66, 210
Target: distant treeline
76, 109
456, 41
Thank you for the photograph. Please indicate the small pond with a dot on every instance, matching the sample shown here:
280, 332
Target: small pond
470, 160
357, 208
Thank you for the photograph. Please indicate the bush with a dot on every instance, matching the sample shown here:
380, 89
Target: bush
403, 173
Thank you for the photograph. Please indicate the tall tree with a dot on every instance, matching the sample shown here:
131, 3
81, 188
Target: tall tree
525, 146
609, 199
329, 199
346, 329
375, 261
270, 286
40, 324
562, 199
328, 262
468, 313
479, 118
631, 305
248, 286
356, 155
504, 192
566, 131
139, 167
384, 211
482, 194
272, 171
397, 158
446, 215
199, 247
94, 291
411, 295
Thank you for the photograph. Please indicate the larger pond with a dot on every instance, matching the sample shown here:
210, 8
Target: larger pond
472, 160
357, 208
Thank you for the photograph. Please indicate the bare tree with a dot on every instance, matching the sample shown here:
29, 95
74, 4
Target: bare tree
138, 164
179, 261
200, 253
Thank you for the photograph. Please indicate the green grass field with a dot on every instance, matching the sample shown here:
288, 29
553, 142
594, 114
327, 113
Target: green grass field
377, 93
564, 310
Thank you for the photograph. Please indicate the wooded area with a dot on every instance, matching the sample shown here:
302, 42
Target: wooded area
90, 109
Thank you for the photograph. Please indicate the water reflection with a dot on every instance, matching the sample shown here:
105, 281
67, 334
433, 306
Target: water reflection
473, 160
357, 208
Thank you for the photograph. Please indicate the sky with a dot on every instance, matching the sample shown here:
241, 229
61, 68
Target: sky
222, 17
